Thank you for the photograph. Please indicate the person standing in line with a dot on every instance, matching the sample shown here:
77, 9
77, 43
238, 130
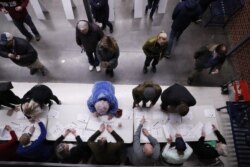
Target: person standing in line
20, 52
184, 13
145, 92
153, 5
100, 11
210, 56
107, 52
146, 154
154, 49
87, 37
19, 14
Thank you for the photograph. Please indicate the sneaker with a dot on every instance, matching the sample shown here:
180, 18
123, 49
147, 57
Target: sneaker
145, 70
167, 55
98, 68
91, 68
153, 69
29, 38
38, 37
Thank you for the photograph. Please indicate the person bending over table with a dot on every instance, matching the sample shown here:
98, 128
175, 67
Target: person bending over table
145, 92
36, 150
35, 99
72, 153
102, 100
177, 99
8, 149
146, 154
176, 153
106, 153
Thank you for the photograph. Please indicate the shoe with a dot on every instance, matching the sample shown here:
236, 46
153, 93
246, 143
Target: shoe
98, 68
38, 37
29, 38
145, 70
33, 71
189, 81
91, 68
151, 18
167, 55
153, 69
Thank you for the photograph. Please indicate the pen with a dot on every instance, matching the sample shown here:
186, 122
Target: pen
82, 50
14, 123
25, 128
156, 123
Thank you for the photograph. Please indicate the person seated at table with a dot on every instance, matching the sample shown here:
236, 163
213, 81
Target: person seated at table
72, 153
143, 154
36, 150
145, 92
207, 152
176, 153
8, 149
106, 153
36, 98
102, 100
7, 97
177, 99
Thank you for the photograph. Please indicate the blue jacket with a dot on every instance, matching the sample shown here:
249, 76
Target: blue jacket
103, 90
184, 13
37, 151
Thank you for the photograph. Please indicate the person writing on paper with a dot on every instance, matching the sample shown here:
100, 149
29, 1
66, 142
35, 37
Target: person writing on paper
103, 100
72, 153
146, 154
145, 92
8, 149
106, 153
206, 151
35, 150
176, 153
7, 97
35, 99
177, 99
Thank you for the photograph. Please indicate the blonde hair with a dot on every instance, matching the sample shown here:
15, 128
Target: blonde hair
31, 108
109, 43
24, 139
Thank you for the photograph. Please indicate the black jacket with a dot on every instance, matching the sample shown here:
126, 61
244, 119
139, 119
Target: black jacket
184, 13
28, 54
176, 94
7, 97
100, 10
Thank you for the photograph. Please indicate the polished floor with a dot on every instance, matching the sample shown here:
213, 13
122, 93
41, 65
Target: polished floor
66, 64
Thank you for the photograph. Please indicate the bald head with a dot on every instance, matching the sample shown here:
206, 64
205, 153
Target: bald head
148, 150
83, 26
162, 38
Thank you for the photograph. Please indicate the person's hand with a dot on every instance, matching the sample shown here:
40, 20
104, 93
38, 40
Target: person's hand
8, 128
67, 131
214, 127
73, 131
170, 139
145, 132
216, 71
110, 117
4, 11
177, 135
32, 129
109, 128
18, 8
142, 120
11, 56
102, 127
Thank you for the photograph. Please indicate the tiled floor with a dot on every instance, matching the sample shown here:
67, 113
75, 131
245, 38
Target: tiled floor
60, 54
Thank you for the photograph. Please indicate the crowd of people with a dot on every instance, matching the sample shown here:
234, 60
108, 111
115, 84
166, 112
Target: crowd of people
103, 52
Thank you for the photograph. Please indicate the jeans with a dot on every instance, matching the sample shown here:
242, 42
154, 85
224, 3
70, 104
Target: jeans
20, 25
152, 4
92, 58
173, 34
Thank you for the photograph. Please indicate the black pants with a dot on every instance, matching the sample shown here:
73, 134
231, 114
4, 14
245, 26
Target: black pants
155, 60
152, 4
108, 23
92, 58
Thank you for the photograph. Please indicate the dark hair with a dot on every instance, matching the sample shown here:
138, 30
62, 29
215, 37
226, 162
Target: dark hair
102, 145
221, 49
182, 109
109, 43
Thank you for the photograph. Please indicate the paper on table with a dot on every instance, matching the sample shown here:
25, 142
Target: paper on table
4, 134
188, 117
183, 129
57, 129
87, 134
157, 132
53, 114
168, 129
174, 118
196, 130
209, 113
93, 125
20, 116
83, 118
208, 128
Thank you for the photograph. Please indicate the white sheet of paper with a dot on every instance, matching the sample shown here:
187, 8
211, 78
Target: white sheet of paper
208, 128
188, 117
196, 131
4, 134
174, 118
20, 115
209, 113
168, 129
83, 118
57, 129
93, 125
53, 114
